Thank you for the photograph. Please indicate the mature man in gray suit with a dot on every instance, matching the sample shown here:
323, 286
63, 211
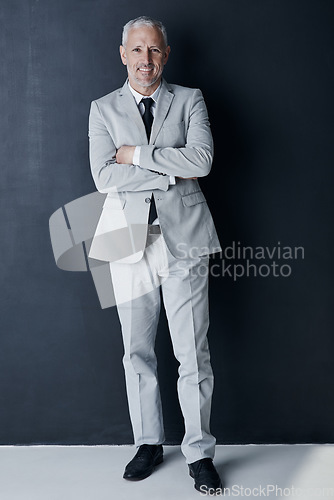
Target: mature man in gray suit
149, 143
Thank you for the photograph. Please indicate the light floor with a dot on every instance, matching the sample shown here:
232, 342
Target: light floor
95, 473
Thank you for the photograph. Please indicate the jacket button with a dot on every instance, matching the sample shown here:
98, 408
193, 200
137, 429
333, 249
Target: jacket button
148, 200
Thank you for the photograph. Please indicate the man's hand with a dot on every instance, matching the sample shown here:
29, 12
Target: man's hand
125, 154
186, 177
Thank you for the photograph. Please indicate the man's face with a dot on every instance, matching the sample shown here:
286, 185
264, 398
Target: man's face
145, 55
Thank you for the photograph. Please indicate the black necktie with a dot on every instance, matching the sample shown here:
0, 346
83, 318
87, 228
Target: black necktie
148, 120
147, 116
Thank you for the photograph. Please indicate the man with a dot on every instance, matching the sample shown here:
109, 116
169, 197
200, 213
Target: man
149, 142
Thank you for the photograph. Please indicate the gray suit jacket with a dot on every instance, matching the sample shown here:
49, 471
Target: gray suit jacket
180, 145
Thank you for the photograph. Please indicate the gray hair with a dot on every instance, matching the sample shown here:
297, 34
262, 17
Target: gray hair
143, 21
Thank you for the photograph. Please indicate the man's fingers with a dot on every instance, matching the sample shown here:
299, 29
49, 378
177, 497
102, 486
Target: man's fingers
125, 154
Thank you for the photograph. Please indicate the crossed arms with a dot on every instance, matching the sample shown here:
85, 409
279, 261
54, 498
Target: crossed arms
111, 167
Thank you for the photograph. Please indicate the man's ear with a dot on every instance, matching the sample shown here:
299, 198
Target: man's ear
123, 54
167, 51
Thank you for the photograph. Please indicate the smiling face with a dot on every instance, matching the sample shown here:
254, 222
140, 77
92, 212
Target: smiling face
145, 55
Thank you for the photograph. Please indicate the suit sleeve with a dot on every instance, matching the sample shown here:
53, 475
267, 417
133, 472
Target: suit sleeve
109, 175
192, 160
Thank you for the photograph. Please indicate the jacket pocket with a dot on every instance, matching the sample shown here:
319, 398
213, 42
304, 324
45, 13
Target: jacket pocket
172, 126
114, 202
191, 199
173, 135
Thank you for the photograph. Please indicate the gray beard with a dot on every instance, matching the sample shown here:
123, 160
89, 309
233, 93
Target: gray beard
147, 84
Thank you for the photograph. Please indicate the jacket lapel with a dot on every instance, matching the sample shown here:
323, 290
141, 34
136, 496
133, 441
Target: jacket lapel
130, 107
163, 104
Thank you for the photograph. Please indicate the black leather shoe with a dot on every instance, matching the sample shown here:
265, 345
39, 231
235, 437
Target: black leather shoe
143, 463
206, 477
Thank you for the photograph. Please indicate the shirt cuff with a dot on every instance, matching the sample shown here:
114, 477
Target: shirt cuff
136, 156
172, 179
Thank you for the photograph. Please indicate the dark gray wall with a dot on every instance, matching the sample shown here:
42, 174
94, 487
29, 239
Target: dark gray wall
266, 71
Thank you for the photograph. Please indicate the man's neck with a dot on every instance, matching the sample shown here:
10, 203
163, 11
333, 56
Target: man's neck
145, 91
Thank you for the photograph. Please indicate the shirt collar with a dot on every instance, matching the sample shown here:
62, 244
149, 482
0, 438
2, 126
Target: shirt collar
138, 97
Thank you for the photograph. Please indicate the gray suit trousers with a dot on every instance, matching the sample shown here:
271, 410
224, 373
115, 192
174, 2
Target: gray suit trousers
184, 290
